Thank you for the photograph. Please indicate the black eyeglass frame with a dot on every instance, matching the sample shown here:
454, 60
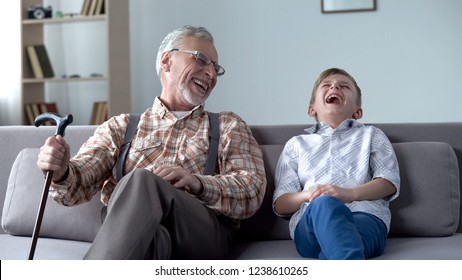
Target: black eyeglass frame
203, 60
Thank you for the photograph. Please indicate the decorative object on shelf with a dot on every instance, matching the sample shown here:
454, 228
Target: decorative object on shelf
342, 6
39, 12
59, 14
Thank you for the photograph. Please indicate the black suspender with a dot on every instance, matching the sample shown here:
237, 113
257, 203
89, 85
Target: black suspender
129, 134
214, 137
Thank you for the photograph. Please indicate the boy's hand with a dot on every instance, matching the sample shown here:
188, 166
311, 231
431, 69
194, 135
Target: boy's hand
372, 190
343, 194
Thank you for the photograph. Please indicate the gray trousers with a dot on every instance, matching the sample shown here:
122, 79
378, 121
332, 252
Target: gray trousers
147, 218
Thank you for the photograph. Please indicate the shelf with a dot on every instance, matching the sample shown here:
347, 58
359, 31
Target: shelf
77, 18
63, 80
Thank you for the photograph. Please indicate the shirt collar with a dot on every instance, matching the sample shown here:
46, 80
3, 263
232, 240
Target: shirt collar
162, 111
324, 128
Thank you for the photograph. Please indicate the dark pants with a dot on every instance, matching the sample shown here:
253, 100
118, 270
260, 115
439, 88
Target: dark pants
147, 218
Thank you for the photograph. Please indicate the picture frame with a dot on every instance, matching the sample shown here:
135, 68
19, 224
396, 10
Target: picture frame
344, 6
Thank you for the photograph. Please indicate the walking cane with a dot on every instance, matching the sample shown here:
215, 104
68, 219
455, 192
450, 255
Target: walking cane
61, 124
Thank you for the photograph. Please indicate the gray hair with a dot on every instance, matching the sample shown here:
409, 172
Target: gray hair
175, 37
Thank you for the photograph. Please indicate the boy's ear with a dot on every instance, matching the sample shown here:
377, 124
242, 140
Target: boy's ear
165, 61
358, 114
311, 111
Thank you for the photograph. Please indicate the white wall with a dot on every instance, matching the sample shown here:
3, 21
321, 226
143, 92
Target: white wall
406, 56
10, 68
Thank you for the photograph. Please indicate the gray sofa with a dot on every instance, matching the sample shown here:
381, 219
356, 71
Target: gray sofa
426, 220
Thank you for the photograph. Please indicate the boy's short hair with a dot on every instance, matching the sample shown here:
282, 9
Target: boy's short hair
332, 71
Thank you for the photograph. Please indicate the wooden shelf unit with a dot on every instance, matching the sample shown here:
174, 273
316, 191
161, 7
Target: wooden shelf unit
116, 20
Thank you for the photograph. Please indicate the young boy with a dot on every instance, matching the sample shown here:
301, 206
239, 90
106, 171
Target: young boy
338, 179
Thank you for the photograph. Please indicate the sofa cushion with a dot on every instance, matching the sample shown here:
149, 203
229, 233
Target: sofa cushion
429, 202
25, 187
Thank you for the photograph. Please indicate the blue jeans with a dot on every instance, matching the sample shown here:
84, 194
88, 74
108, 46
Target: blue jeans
329, 230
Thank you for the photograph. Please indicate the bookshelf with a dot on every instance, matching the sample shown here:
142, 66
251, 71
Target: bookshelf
115, 81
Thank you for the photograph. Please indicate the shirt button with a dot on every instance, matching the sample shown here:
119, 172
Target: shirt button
181, 157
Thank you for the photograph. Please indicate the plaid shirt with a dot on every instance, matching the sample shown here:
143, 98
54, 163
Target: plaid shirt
236, 189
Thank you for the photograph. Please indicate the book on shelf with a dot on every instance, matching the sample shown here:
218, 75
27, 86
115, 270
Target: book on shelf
92, 7
85, 7
44, 60
99, 113
99, 7
40, 61
35, 109
34, 62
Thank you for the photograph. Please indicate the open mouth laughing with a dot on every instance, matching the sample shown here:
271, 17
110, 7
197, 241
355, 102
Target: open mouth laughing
201, 84
333, 99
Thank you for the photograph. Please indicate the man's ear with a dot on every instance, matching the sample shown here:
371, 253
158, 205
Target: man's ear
358, 114
165, 61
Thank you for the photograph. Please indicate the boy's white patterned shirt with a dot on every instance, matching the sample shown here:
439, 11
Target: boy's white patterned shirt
348, 156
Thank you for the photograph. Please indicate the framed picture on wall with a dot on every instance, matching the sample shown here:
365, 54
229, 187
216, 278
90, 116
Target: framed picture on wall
342, 6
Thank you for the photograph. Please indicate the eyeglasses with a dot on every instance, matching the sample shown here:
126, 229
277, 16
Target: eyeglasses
203, 60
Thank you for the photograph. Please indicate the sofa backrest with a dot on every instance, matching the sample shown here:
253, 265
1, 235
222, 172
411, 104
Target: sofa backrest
264, 224
429, 204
